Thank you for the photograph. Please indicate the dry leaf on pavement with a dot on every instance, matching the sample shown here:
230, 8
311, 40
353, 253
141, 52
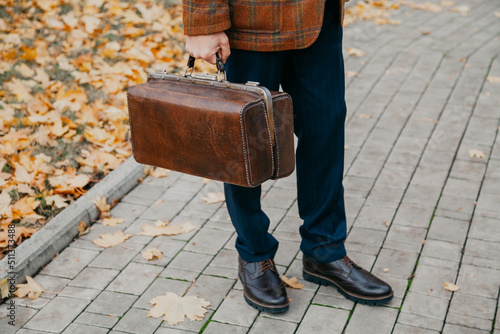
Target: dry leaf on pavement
463, 10
213, 198
152, 253
451, 287
493, 79
351, 74
110, 221
4, 288
292, 282
355, 52
175, 308
476, 153
109, 240
31, 289
159, 172
83, 228
153, 231
102, 204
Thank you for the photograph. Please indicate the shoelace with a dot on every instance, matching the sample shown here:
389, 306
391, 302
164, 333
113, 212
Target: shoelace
266, 265
347, 261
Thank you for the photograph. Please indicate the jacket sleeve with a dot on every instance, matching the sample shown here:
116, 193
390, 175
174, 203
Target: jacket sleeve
203, 17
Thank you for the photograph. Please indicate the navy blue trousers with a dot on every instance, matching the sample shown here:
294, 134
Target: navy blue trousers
314, 77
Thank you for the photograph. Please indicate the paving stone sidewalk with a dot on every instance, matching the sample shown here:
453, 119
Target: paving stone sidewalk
422, 208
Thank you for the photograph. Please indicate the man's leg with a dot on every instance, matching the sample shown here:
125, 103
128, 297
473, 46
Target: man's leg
314, 77
262, 285
254, 242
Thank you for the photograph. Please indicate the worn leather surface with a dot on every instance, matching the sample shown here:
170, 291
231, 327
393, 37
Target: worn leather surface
262, 283
216, 133
349, 276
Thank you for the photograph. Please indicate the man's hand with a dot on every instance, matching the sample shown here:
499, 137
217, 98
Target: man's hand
206, 46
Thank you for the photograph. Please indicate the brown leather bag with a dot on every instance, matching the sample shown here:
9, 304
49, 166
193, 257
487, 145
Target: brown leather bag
206, 126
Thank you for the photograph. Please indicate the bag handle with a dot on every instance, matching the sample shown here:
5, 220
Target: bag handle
218, 62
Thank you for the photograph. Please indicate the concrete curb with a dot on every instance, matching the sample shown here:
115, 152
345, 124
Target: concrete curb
58, 233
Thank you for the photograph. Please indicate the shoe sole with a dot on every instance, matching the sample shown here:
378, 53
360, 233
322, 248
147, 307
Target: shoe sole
263, 308
323, 281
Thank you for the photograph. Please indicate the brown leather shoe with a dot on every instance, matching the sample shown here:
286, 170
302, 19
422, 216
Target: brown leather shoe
262, 286
354, 282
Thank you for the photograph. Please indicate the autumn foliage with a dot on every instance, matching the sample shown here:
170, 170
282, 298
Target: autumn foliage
65, 66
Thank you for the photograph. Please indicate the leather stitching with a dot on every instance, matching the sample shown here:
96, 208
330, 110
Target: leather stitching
243, 141
270, 138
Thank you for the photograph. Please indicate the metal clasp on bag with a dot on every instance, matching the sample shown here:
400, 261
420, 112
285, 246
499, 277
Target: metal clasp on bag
220, 70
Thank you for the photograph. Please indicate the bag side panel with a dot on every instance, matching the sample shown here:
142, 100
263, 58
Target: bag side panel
257, 137
284, 152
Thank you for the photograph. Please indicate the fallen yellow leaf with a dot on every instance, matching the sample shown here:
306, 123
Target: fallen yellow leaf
31, 289
175, 308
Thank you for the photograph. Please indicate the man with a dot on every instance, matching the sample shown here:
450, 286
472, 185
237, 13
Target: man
297, 44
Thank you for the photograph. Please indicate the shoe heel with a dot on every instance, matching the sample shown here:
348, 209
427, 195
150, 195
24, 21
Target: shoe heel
315, 279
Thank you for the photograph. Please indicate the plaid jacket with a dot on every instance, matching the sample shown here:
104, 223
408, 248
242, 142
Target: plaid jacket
257, 25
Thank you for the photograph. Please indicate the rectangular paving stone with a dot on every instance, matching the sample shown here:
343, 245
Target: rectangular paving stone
360, 186
430, 281
479, 281
127, 211
365, 317
473, 306
267, 325
462, 188
111, 303
414, 215
421, 321
442, 250
20, 315
329, 296
95, 319
279, 198
218, 328
425, 305
69, 262
287, 251
57, 314
234, 310
320, 319
188, 325
485, 228
51, 284
454, 329
375, 214
406, 329
365, 236
298, 306
450, 230
163, 211
422, 195
213, 289
208, 241
178, 274
406, 235
96, 278
135, 278
84, 329
191, 261
114, 258
82, 293
397, 263
137, 321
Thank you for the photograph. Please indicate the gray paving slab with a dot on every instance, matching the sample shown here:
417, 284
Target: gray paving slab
420, 210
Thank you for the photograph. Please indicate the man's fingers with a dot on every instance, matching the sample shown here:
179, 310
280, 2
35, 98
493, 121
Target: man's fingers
225, 51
